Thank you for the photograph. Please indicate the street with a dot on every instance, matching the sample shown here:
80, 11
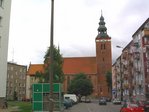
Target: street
94, 107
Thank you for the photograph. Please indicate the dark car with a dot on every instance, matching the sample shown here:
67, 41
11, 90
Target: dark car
102, 101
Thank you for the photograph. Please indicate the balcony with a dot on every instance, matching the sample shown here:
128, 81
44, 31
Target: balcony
133, 86
136, 51
125, 73
131, 63
147, 58
138, 70
137, 56
125, 67
140, 82
124, 55
126, 86
136, 44
145, 32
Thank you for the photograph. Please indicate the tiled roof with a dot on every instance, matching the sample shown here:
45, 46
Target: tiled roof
76, 65
33, 68
73, 65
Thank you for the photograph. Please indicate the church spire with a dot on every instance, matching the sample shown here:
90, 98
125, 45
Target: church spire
102, 30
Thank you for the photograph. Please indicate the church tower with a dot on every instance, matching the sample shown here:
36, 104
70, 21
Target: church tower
103, 59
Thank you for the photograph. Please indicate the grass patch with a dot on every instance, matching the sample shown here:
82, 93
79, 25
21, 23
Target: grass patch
23, 106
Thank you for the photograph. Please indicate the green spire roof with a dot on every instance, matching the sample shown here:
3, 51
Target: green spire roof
102, 30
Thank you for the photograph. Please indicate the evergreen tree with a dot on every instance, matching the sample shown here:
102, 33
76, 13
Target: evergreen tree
58, 75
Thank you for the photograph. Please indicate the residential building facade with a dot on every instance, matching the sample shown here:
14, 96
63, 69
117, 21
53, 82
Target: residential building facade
131, 70
5, 6
31, 78
95, 67
16, 81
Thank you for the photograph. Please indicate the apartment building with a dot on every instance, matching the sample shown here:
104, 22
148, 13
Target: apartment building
16, 81
141, 65
131, 69
5, 6
116, 79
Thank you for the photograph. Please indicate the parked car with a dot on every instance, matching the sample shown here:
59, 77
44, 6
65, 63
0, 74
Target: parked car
67, 103
144, 104
131, 107
73, 97
116, 102
86, 99
108, 99
102, 101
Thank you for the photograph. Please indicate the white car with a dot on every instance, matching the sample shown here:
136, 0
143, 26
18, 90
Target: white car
71, 96
116, 101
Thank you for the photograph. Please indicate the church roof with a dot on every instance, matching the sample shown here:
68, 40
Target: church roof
76, 65
86, 65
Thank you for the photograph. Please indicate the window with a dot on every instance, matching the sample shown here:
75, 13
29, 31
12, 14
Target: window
1, 3
146, 40
103, 46
20, 69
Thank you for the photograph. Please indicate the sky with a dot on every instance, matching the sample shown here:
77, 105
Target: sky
75, 26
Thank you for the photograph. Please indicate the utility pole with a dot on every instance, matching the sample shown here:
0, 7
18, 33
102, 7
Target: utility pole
51, 103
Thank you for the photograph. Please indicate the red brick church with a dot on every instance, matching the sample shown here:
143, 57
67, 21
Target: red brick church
94, 67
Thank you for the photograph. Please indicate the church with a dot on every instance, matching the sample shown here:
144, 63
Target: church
95, 68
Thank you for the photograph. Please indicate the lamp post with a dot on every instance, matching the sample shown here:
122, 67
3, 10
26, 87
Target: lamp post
51, 105
121, 83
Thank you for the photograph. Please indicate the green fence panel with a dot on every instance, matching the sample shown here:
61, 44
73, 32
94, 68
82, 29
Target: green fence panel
46, 88
37, 106
37, 87
37, 97
56, 88
40, 95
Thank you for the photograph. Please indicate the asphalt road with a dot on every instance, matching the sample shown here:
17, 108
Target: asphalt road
94, 107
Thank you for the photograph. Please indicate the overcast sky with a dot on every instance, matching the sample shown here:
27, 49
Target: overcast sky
75, 26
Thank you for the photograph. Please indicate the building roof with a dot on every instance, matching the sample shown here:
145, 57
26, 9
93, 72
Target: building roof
33, 68
76, 65
71, 66
141, 27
